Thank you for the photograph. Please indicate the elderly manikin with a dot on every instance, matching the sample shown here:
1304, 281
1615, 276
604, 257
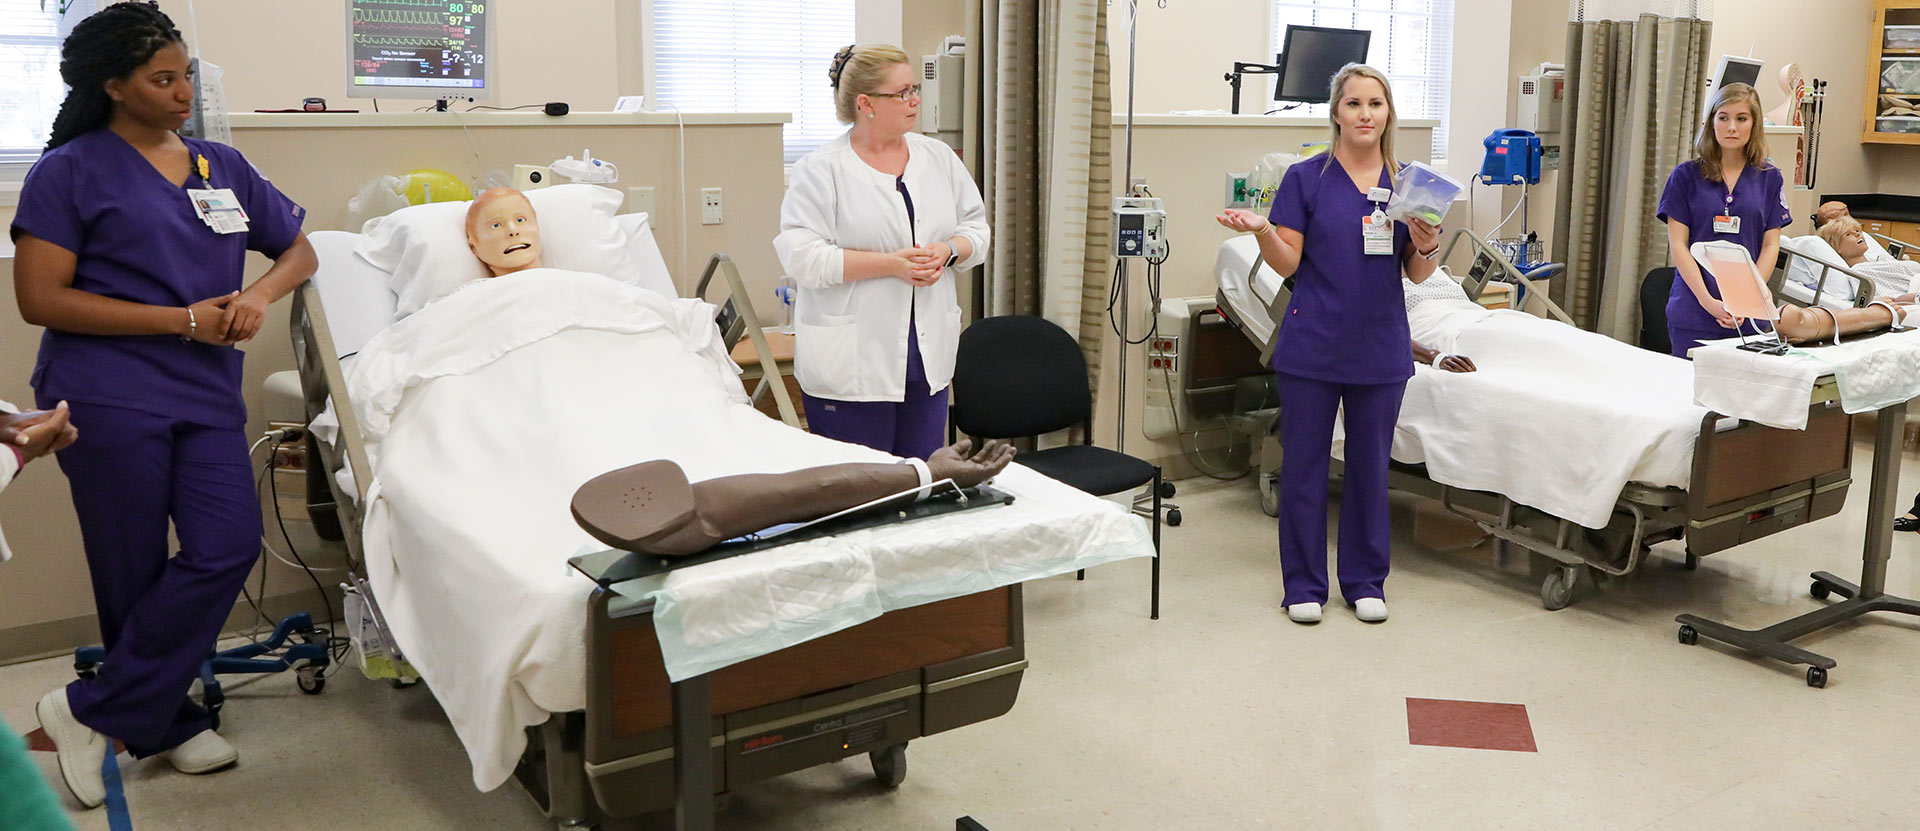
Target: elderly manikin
687, 517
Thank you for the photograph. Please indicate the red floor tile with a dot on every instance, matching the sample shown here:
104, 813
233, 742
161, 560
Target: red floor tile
1474, 724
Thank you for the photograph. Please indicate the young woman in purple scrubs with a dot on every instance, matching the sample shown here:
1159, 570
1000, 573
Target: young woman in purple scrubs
1344, 341
1728, 191
143, 303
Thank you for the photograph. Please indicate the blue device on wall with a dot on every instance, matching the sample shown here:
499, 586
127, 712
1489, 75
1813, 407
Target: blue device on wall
1513, 157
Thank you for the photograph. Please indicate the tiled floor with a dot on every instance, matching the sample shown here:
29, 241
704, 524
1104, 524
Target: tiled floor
1223, 715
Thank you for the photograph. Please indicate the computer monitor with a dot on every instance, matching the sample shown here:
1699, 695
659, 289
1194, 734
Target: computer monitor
1311, 55
1733, 69
419, 49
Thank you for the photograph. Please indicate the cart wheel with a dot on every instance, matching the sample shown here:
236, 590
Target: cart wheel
86, 671
890, 764
1269, 497
1166, 490
1692, 562
1689, 635
1557, 590
1819, 590
213, 715
1816, 677
310, 680
1173, 517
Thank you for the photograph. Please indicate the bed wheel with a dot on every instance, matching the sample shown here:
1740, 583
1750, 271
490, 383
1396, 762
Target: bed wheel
890, 764
1689, 635
310, 680
1557, 590
1819, 590
1692, 562
1816, 677
1269, 497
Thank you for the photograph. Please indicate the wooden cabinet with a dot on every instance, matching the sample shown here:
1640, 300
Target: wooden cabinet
1893, 74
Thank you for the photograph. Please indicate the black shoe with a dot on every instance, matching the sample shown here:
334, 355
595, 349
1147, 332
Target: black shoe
1906, 523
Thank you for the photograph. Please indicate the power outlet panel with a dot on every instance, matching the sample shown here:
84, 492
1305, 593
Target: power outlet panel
710, 208
640, 201
1238, 194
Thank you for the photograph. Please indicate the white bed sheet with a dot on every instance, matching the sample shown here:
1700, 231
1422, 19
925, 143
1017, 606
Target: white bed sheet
486, 410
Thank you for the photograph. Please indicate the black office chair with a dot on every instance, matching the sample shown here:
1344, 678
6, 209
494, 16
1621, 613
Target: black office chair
1654, 290
1018, 376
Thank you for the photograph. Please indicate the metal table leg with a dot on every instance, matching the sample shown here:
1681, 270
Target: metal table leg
692, 755
1869, 596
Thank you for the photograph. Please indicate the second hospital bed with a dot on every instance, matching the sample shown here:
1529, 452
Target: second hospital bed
566, 686
1549, 396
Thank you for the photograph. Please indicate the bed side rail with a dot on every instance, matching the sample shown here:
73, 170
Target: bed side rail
1864, 289
320, 379
737, 317
1506, 274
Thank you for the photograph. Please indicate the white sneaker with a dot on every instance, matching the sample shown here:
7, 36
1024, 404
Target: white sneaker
1304, 613
206, 752
81, 750
1370, 609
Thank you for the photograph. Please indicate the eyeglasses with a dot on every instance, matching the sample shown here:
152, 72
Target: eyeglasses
909, 92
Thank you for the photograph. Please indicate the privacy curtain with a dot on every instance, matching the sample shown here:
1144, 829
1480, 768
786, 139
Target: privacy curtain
1635, 76
1046, 133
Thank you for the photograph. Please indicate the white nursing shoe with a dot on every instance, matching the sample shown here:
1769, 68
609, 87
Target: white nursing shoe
81, 750
1304, 613
206, 752
1370, 609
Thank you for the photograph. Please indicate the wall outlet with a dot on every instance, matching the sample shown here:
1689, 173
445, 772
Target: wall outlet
710, 206
640, 201
1238, 194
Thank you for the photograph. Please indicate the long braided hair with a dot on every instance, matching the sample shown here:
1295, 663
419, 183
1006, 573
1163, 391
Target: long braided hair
109, 44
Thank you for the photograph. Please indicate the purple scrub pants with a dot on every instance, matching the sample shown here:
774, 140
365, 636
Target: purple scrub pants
912, 427
1307, 410
130, 473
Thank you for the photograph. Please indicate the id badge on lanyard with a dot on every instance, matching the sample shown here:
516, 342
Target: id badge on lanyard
1726, 222
217, 207
1376, 230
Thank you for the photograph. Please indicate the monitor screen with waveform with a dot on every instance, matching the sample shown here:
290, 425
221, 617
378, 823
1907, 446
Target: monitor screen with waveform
419, 49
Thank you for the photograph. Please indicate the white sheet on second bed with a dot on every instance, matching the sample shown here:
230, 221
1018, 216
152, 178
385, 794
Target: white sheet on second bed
486, 410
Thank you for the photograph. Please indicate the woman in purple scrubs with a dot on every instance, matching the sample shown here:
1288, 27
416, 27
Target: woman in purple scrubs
143, 303
1344, 341
1728, 191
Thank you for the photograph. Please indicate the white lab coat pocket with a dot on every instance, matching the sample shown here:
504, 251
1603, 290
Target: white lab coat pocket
826, 356
938, 349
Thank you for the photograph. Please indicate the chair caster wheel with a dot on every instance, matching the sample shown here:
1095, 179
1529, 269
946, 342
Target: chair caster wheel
1816, 677
1689, 635
1820, 591
1166, 490
1173, 517
309, 680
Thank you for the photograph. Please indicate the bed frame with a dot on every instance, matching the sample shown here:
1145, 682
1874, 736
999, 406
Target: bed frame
1776, 282
645, 744
1749, 480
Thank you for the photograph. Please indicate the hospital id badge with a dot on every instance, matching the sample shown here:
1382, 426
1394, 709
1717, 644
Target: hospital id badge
1376, 234
1725, 224
220, 209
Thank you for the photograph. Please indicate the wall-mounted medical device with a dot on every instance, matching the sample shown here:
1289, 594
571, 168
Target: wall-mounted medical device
1732, 69
1513, 158
1542, 96
1139, 227
943, 89
420, 49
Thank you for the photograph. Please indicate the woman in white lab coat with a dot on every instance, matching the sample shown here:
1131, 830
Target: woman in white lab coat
872, 228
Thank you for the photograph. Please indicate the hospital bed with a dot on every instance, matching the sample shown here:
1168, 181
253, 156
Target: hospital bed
1810, 273
1717, 482
869, 688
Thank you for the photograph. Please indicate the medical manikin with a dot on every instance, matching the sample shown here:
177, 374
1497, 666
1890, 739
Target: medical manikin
651, 507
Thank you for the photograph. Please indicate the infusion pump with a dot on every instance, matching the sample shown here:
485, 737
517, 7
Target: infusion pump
1139, 227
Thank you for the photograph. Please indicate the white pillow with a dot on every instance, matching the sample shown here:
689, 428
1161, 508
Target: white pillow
1440, 286
424, 247
1807, 273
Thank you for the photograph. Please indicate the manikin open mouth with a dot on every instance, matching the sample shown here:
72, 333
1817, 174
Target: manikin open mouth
519, 247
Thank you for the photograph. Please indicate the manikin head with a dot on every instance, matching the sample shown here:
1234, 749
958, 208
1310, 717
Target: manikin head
503, 231
1848, 239
1830, 211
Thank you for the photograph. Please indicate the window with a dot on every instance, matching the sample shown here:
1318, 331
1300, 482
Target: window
30, 88
752, 56
1412, 44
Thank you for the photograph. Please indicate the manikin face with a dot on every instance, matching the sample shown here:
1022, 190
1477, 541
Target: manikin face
159, 93
503, 231
1853, 245
1361, 111
1732, 124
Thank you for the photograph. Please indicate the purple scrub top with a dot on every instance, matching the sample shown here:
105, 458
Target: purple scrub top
1347, 320
1694, 201
135, 237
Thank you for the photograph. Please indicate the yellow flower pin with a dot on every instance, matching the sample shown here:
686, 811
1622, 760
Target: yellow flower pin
205, 170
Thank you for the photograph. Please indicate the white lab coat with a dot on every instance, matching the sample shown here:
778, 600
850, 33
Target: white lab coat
8, 467
851, 337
